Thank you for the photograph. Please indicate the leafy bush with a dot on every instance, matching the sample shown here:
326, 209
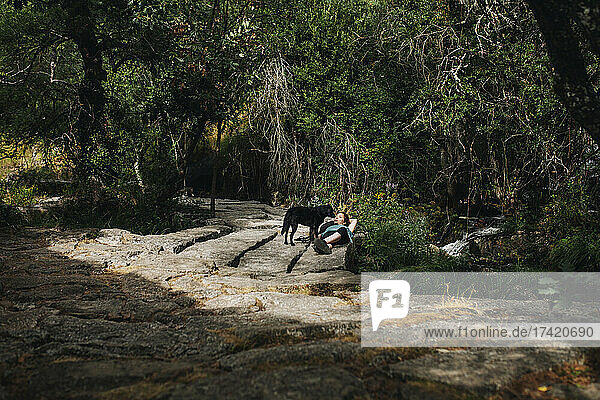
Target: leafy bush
568, 212
395, 237
127, 209
35, 175
20, 194
576, 253
374, 209
393, 245
21, 187
9, 215
572, 229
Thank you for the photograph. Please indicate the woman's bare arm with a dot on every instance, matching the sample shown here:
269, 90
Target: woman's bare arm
352, 225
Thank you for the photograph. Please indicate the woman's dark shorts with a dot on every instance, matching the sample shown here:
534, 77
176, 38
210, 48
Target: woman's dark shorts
342, 231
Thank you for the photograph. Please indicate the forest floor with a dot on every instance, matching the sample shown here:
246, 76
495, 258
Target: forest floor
226, 310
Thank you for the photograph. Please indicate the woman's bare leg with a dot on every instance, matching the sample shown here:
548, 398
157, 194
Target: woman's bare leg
332, 239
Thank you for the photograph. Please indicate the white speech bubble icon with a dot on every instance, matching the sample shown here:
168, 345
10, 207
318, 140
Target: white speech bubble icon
389, 300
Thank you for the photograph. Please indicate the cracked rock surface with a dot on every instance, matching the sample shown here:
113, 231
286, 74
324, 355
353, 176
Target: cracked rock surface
224, 310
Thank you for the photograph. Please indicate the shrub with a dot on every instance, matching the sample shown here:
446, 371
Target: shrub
568, 212
20, 194
576, 254
127, 209
393, 236
21, 187
393, 245
9, 216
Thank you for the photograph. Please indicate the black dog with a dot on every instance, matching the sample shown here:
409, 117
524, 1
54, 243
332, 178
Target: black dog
309, 216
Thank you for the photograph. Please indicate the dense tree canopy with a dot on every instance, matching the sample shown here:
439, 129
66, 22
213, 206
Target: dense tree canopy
469, 104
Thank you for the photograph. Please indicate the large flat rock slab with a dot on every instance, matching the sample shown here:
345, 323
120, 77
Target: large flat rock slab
481, 371
298, 307
87, 378
178, 241
118, 247
228, 250
286, 383
284, 282
211, 312
270, 260
336, 278
311, 261
247, 223
317, 352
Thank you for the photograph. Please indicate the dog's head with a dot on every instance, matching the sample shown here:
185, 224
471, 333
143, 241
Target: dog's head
325, 211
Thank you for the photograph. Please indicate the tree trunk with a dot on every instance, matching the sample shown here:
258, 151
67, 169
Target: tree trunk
90, 123
213, 188
571, 81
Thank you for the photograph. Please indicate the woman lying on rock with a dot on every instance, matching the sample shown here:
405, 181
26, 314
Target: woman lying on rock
338, 231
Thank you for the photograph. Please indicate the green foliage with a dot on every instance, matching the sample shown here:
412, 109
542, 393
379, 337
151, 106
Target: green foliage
39, 71
20, 194
578, 253
393, 245
130, 210
523, 219
21, 188
9, 216
568, 212
171, 67
412, 99
437, 262
392, 236
574, 229
430, 100
377, 208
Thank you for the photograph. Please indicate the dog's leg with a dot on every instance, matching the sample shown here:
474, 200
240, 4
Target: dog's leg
284, 230
294, 227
